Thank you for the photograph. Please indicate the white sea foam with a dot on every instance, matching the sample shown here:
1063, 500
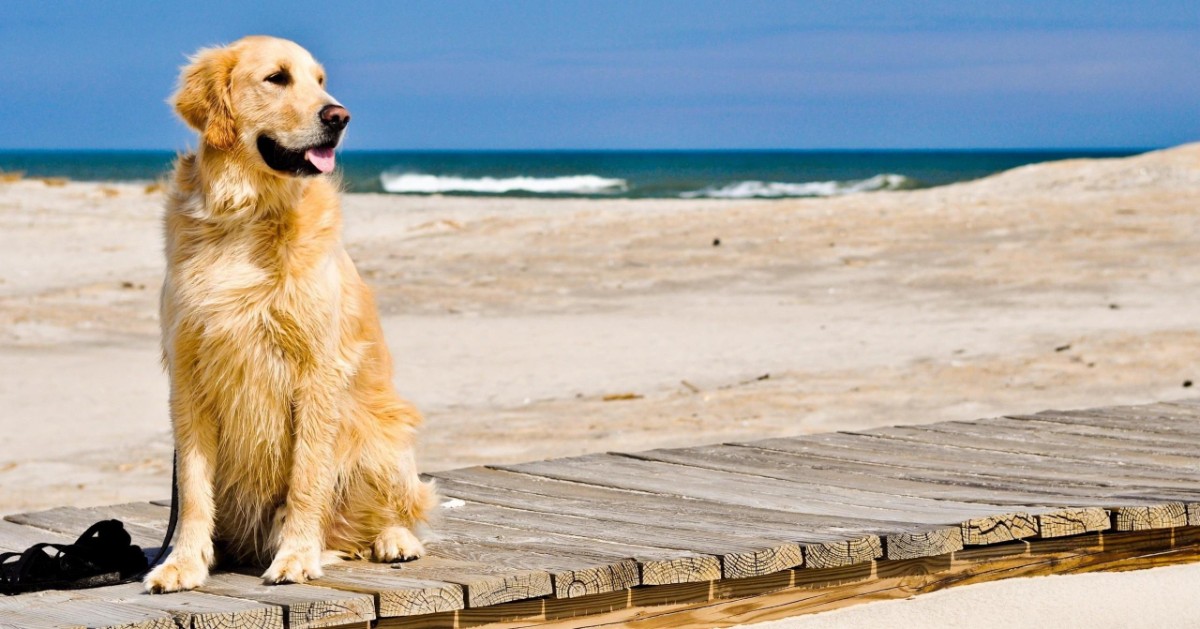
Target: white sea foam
775, 189
420, 183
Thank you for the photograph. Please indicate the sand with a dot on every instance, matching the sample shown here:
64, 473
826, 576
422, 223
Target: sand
515, 322
1162, 597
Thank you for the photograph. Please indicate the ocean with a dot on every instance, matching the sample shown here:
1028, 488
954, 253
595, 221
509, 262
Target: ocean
630, 174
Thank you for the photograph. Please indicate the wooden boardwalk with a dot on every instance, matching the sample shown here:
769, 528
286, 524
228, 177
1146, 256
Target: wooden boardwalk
720, 534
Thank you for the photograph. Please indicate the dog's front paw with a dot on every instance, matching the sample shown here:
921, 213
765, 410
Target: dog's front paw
294, 566
177, 574
396, 543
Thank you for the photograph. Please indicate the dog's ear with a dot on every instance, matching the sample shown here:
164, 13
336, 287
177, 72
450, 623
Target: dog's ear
203, 99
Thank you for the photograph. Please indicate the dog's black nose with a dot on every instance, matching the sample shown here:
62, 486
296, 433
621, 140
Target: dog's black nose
335, 117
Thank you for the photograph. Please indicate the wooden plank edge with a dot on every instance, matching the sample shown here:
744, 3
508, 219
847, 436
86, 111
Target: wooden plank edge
303, 605
930, 543
394, 595
516, 586
196, 609
694, 568
756, 563
796, 592
95, 614
1068, 522
1145, 518
859, 550
995, 529
616, 576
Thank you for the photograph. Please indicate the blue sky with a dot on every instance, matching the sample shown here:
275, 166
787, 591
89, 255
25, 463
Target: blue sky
635, 74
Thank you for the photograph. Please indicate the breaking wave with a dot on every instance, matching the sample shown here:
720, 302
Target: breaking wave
776, 189
420, 183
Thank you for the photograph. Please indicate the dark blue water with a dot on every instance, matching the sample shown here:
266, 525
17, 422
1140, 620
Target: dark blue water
730, 174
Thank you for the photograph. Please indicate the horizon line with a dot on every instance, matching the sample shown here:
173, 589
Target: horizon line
1032, 149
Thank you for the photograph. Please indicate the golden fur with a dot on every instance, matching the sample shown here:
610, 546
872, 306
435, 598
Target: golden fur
291, 440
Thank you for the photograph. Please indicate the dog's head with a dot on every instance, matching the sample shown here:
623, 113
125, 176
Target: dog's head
263, 100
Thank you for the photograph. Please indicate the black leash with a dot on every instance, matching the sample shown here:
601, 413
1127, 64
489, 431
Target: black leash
171, 521
103, 555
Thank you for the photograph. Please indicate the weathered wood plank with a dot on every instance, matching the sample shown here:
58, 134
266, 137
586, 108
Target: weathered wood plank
986, 530
1032, 466
930, 544
34, 599
576, 569
789, 466
1006, 487
1024, 473
84, 613
659, 565
72, 522
731, 488
856, 551
1132, 438
1151, 498
1180, 413
715, 556
826, 539
809, 591
483, 584
304, 606
996, 529
395, 594
895, 580
1084, 449
1159, 425
193, 610
17, 537
626, 473
786, 466
1089, 444
1068, 522
1164, 516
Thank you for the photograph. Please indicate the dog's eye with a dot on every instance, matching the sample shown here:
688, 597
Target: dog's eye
279, 78
321, 81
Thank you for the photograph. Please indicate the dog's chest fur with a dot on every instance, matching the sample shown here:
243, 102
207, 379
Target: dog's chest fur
254, 303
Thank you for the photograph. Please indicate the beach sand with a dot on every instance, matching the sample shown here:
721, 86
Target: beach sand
533, 328
1162, 597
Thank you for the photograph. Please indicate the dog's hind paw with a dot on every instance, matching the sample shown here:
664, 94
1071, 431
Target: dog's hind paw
396, 543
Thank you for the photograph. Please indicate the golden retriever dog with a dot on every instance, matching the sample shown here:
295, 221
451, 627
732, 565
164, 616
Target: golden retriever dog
293, 448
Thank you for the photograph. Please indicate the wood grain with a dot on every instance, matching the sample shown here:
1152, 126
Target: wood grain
714, 556
826, 538
997, 529
1067, 522
194, 609
304, 606
1164, 516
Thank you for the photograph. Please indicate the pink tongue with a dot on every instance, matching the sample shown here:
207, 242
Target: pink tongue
322, 158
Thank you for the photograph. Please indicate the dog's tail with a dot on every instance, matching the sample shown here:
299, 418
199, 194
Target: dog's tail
425, 505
